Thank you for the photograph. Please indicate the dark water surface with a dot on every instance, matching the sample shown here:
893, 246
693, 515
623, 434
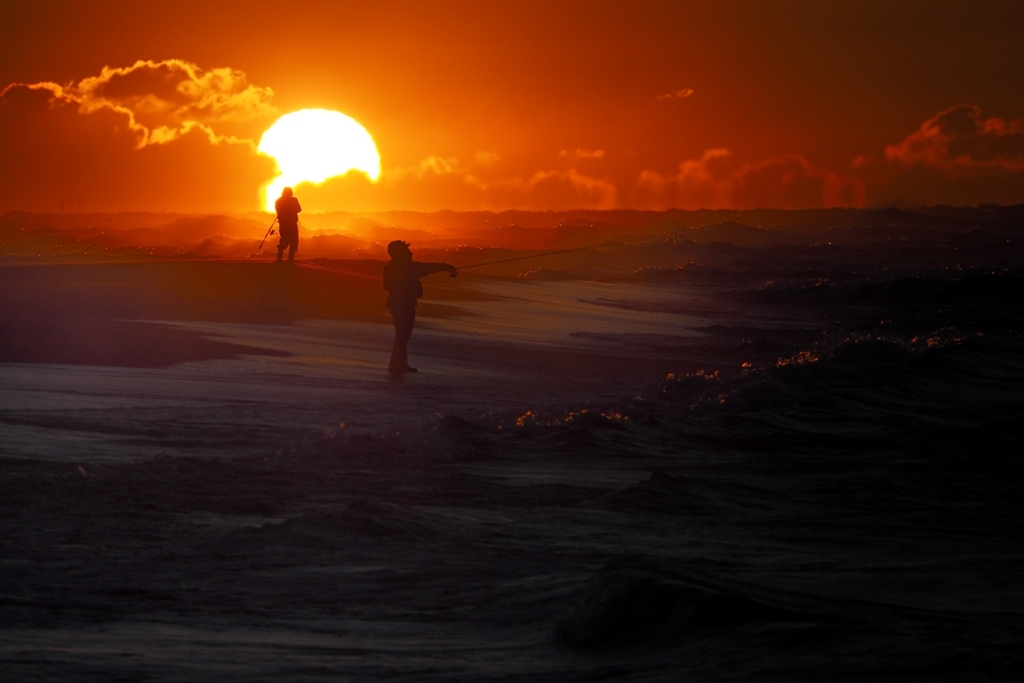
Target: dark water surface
771, 462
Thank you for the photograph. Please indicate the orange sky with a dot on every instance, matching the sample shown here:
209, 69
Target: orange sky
530, 105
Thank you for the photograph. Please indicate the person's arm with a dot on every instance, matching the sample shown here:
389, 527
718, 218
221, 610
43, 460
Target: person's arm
423, 269
298, 208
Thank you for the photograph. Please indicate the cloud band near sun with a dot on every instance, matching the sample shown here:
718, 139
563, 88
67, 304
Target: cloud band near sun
85, 137
163, 100
717, 180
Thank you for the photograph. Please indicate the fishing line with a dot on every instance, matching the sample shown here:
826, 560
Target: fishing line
548, 253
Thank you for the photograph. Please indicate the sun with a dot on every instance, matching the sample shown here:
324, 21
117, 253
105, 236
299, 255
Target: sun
312, 145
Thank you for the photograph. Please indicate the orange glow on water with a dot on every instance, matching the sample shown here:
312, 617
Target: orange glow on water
314, 145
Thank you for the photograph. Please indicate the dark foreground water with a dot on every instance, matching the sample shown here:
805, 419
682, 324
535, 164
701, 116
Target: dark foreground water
770, 462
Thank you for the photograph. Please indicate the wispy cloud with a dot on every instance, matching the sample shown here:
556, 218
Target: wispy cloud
487, 159
581, 153
163, 100
681, 94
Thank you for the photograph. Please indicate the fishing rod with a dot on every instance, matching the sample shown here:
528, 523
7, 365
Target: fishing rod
270, 231
548, 253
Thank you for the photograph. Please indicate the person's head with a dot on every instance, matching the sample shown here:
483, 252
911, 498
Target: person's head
286, 192
399, 250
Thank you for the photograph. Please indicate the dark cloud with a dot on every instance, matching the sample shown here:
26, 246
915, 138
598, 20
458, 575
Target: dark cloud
960, 137
955, 157
161, 101
55, 157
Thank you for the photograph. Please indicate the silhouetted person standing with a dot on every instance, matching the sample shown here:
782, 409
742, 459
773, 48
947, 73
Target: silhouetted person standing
288, 211
402, 281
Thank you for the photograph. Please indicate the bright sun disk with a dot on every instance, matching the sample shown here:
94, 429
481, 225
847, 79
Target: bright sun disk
313, 145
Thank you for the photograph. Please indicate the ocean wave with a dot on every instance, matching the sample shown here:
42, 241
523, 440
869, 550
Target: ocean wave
628, 604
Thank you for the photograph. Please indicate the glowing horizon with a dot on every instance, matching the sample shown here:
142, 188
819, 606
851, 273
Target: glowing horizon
313, 146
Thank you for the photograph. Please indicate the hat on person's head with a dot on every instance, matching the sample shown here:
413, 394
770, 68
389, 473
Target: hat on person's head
397, 247
286, 192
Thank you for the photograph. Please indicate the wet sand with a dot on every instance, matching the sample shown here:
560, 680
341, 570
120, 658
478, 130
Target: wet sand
257, 356
91, 314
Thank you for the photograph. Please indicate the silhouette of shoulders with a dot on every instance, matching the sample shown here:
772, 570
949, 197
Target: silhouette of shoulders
288, 208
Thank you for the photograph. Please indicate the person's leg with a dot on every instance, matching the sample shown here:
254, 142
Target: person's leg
289, 240
404, 320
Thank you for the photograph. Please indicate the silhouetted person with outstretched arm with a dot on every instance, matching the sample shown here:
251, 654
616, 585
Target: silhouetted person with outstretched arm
402, 281
288, 211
